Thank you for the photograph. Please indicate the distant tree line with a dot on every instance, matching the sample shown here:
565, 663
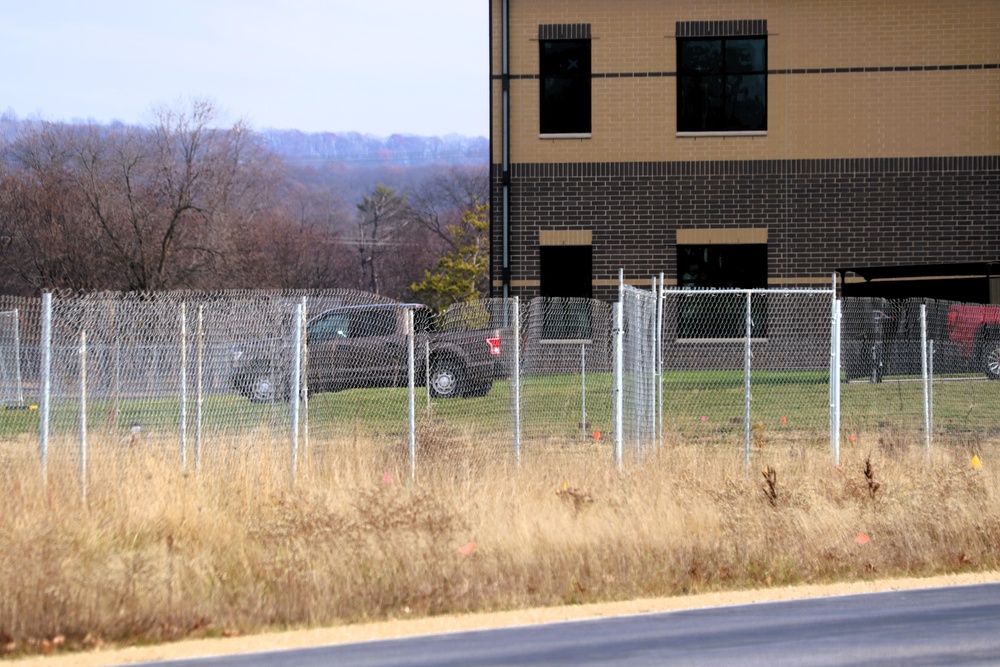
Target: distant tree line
186, 202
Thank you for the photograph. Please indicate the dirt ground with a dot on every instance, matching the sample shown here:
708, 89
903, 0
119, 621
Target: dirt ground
422, 626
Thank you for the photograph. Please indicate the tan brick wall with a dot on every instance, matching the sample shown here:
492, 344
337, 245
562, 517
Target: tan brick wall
563, 237
732, 235
822, 115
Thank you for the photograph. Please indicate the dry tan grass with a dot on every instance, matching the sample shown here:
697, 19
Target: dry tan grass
155, 555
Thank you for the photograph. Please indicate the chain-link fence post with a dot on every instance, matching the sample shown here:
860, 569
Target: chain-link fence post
516, 377
746, 381
17, 352
305, 382
930, 384
926, 381
583, 389
294, 389
200, 379
834, 374
45, 390
619, 335
411, 391
183, 378
659, 365
83, 415
835, 328
656, 363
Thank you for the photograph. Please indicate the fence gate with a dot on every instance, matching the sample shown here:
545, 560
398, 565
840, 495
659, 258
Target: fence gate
638, 382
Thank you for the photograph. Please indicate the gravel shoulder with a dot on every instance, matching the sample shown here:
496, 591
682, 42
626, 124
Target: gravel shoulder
440, 624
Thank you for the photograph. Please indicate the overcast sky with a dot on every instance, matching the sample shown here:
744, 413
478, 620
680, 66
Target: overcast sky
371, 66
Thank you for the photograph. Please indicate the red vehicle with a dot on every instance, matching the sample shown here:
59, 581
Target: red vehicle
975, 331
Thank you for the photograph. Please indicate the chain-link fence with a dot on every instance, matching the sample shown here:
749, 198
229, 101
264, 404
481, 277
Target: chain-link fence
494, 382
11, 386
920, 371
565, 379
186, 373
19, 355
747, 366
361, 364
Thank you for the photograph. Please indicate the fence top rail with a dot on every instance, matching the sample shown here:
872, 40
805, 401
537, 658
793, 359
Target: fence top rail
755, 290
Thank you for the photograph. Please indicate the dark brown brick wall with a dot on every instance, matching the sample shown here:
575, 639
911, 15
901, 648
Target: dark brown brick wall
820, 214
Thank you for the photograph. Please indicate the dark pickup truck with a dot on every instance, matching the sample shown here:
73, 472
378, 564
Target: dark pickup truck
354, 347
975, 331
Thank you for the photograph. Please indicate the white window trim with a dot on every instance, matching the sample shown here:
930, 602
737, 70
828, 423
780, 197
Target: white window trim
568, 135
748, 133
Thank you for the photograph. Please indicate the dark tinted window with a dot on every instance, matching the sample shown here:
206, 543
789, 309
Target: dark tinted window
722, 84
741, 266
376, 322
565, 86
566, 272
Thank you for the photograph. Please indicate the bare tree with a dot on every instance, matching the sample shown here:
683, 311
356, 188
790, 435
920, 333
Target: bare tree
441, 201
204, 182
139, 208
189, 202
47, 241
382, 217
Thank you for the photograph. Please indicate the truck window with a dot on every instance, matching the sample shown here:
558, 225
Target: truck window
377, 322
421, 319
328, 328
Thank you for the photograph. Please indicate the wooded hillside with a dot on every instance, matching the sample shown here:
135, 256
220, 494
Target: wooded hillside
187, 202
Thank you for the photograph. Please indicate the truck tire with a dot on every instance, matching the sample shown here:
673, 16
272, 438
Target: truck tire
449, 377
259, 383
990, 354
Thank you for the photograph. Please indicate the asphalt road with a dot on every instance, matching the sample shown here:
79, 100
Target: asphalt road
943, 626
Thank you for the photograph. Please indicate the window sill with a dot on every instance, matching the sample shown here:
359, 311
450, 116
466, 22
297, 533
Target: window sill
568, 135
750, 133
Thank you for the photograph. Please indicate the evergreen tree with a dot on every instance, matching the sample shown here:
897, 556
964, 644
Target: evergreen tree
462, 274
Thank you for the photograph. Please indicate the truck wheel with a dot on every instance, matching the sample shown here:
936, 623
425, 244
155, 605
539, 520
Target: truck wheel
259, 383
991, 357
448, 378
